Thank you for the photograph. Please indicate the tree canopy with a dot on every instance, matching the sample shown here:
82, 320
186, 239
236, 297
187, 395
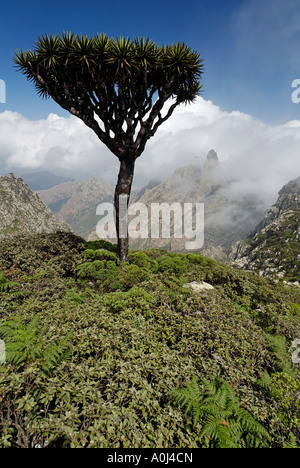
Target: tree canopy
114, 80
117, 87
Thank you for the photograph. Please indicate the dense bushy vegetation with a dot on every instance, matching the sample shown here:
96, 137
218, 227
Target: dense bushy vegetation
99, 355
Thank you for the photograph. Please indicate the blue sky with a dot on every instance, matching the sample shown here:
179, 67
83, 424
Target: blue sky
251, 47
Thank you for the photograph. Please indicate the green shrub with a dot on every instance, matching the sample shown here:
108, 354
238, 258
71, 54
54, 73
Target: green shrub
283, 362
110, 277
295, 309
98, 272
78, 298
135, 301
101, 244
136, 336
172, 262
128, 276
154, 253
100, 255
143, 261
199, 259
286, 390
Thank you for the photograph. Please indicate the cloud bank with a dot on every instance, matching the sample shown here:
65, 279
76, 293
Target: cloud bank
260, 157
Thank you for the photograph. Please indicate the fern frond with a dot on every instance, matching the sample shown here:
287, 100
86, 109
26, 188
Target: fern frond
249, 423
292, 443
6, 285
278, 345
25, 343
55, 354
226, 424
189, 398
265, 382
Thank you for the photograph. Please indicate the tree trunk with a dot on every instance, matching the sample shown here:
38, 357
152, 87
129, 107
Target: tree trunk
121, 202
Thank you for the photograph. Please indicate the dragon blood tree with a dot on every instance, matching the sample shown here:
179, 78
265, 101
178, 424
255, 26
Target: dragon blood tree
118, 88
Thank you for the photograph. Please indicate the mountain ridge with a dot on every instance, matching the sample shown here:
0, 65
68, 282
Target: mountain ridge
75, 202
23, 211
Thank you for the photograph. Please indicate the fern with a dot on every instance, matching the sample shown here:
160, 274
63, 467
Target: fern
7, 286
21, 341
265, 383
279, 347
55, 354
25, 344
292, 443
78, 298
188, 398
225, 423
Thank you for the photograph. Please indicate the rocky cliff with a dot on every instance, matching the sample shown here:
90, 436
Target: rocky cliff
273, 248
22, 211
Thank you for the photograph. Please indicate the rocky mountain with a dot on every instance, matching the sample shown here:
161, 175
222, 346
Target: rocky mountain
273, 249
227, 218
22, 211
75, 202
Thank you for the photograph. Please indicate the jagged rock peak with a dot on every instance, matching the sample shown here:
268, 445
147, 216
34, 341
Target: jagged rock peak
211, 160
186, 172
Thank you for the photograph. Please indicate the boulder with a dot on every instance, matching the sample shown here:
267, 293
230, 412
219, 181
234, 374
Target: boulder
198, 287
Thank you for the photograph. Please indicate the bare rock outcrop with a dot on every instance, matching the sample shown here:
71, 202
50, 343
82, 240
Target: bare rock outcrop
22, 211
273, 249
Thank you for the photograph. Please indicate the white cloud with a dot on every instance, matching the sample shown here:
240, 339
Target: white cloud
62, 145
261, 157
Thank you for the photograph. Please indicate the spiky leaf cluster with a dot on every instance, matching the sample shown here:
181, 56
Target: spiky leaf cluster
114, 80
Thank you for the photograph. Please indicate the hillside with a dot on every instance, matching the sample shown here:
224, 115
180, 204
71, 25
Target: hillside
100, 356
75, 202
274, 247
22, 211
